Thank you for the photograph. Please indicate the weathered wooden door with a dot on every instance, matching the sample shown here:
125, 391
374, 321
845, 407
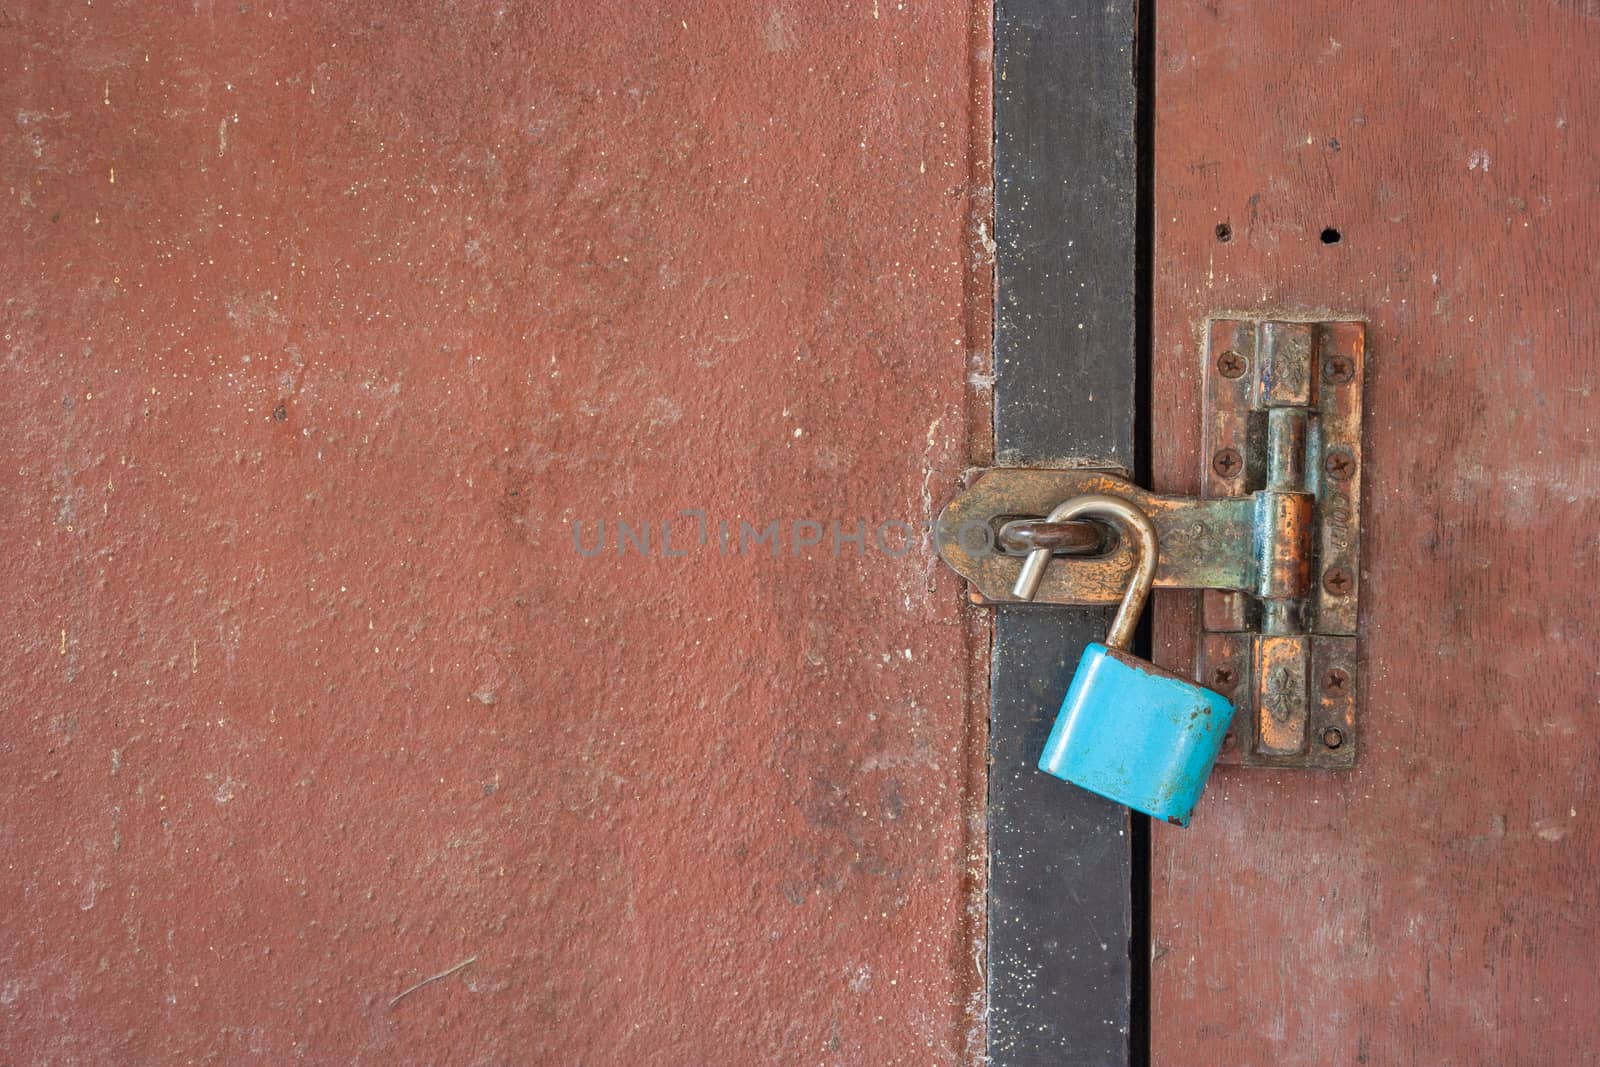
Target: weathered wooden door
463, 489
1434, 169
333, 336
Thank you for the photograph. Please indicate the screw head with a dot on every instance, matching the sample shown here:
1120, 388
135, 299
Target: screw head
1340, 464
1338, 369
1333, 737
1223, 678
1227, 462
1231, 364
1336, 680
1338, 581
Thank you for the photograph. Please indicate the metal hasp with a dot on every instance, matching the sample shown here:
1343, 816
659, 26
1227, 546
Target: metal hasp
1274, 541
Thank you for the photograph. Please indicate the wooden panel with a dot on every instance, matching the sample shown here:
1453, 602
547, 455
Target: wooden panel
1438, 905
1059, 905
323, 328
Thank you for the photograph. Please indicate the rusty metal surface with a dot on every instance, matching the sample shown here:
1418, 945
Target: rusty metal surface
1437, 904
323, 325
1281, 447
1285, 398
1203, 543
1283, 542
1343, 358
1135, 528
1315, 693
1231, 346
1276, 469
1075, 537
1279, 664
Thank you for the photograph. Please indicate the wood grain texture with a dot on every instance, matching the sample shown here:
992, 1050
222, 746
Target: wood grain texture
1438, 904
1059, 905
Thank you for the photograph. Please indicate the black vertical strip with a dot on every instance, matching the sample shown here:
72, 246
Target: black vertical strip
1144, 353
1059, 906
1144, 234
1064, 233
1060, 898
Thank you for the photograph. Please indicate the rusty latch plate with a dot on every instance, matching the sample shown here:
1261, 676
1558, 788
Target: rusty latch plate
1294, 691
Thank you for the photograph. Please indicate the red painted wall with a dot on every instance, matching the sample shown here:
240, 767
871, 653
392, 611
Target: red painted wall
322, 326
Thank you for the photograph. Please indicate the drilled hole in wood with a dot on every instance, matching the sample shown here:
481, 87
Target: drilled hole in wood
1330, 236
1224, 232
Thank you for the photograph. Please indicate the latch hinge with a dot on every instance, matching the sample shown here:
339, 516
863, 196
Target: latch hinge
1274, 539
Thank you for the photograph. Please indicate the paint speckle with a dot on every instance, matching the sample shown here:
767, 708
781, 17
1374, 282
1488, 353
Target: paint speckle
1552, 828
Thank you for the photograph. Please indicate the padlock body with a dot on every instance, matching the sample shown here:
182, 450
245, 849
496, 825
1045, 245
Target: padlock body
1136, 734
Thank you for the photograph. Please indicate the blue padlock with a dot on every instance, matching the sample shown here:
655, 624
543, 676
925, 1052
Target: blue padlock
1128, 730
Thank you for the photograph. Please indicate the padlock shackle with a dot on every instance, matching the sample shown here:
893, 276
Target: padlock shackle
1127, 516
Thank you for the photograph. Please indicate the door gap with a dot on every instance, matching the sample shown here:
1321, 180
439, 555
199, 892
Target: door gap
1144, 302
